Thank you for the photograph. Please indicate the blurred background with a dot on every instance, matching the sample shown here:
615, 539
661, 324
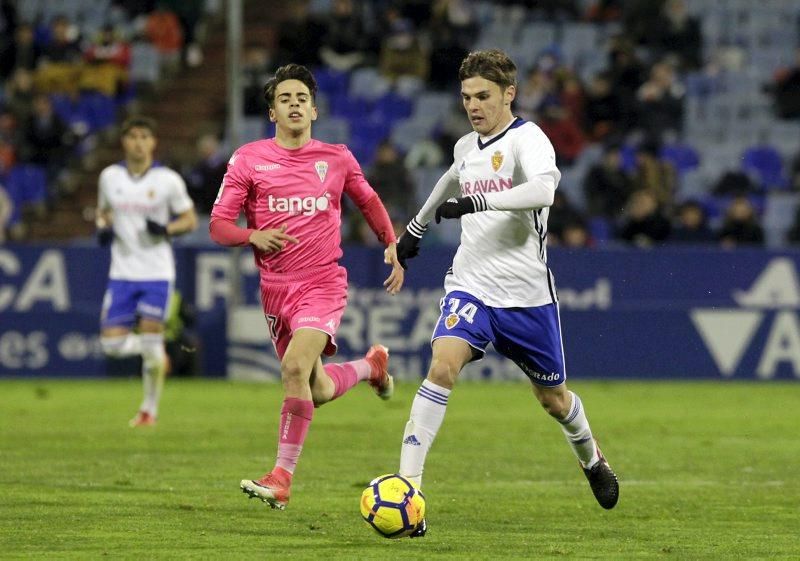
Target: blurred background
676, 127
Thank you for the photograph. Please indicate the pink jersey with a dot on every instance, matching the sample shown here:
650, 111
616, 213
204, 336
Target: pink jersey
301, 188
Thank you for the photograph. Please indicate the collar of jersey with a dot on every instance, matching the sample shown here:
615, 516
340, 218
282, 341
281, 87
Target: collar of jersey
517, 122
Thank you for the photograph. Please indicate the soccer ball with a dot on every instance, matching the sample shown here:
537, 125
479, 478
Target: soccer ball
392, 505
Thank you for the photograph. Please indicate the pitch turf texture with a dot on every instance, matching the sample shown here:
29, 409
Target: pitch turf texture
707, 470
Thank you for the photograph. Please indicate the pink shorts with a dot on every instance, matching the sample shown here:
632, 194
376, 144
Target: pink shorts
313, 298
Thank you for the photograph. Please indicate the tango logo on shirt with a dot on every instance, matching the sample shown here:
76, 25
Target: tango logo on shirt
297, 205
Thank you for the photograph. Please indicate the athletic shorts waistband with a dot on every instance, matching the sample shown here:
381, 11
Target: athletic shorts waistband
299, 275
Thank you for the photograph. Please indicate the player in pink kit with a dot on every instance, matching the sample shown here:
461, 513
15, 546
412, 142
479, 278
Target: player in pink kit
290, 188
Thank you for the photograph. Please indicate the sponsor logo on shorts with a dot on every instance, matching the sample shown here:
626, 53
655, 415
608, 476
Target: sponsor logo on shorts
331, 324
541, 376
451, 321
308, 319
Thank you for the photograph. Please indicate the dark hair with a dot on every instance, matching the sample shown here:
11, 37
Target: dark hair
138, 121
290, 72
494, 65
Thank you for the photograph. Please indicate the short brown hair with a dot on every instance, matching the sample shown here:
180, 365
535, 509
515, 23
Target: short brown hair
290, 72
139, 121
494, 65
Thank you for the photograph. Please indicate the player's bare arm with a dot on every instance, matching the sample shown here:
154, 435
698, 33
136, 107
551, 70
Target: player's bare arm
394, 281
184, 223
272, 240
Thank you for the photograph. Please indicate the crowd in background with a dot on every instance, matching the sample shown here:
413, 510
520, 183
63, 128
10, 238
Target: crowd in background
618, 129
617, 115
66, 69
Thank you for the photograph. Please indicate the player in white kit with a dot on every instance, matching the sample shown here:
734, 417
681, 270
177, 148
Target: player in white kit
499, 289
140, 205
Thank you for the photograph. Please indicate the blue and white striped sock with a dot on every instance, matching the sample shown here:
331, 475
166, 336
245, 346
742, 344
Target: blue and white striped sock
579, 435
427, 414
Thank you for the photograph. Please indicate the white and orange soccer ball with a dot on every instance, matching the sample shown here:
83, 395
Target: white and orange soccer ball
392, 505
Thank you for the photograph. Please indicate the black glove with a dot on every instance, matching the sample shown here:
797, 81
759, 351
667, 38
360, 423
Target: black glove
105, 236
408, 244
456, 208
155, 228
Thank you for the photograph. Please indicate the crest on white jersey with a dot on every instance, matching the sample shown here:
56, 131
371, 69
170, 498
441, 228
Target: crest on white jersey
322, 169
497, 160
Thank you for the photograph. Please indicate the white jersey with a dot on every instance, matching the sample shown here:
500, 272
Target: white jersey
157, 194
502, 258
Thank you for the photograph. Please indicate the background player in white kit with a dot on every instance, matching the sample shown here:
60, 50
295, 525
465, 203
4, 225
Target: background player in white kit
499, 288
137, 199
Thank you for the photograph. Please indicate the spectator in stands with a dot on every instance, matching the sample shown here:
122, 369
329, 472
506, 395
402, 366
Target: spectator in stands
786, 90
740, 225
627, 74
562, 214
299, 36
606, 186
539, 88
602, 11
8, 24
603, 112
793, 235
6, 207
654, 174
58, 68
576, 235
660, 102
189, 13
19, 94
25, 52
691, 225
446, 54
344, 41
48, 139
644, 224
734, 182
452, 28
205, 176
254, 76
794, 173
392, 181
163, 29
401, 52
107, 61
679, 34
562, 130
9, 140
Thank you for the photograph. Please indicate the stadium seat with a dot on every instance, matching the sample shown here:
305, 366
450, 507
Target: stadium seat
683, 156
765, 165
27, 183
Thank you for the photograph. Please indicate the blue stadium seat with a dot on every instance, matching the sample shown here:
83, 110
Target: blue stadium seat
27, 183
391, 107
764, 163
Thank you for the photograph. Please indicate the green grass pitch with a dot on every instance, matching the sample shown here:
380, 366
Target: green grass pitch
707, 470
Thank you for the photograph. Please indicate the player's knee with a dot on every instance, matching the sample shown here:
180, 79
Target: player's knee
443, 373
555, 405
291, 369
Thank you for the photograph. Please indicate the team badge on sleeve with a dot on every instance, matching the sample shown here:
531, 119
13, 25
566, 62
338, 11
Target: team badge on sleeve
497, 160
451, 321
322, 170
